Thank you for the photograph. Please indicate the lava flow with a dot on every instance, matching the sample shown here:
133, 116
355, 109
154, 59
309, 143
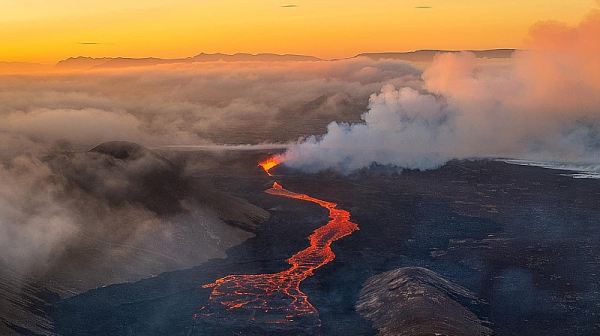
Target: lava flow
269, 164
276, 297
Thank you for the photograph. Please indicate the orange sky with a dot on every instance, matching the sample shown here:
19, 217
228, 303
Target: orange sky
47, 31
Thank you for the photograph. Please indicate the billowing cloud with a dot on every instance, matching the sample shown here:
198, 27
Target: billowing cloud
78, 126
192, 103
123, 209
33, 225
402, 127
43, 214
544, 105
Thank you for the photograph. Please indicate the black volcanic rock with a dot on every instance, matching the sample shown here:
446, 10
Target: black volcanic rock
415, 301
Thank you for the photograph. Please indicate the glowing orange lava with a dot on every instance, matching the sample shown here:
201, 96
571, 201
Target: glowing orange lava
269, 163
276, 297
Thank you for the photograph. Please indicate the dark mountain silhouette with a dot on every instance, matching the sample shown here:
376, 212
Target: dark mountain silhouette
427, 55
123, 62
120, 62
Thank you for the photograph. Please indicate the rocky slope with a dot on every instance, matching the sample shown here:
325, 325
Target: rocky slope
414, 301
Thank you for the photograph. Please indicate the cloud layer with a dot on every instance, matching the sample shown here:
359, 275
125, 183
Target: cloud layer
219, 102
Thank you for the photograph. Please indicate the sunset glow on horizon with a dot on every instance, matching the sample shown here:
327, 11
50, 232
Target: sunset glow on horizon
44, 32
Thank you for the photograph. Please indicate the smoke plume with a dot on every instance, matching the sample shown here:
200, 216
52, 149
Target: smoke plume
543, 105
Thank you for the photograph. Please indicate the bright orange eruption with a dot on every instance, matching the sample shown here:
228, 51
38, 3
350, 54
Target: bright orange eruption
269, 164
277, 298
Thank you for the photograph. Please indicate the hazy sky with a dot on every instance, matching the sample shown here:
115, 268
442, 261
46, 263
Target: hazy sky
47, 31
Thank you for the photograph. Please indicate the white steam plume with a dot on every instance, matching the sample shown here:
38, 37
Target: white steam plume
544, 105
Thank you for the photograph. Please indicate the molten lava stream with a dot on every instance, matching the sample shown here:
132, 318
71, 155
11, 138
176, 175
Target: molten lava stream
276, 297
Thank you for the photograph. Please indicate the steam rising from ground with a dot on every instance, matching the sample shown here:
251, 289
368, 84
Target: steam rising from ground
545, 105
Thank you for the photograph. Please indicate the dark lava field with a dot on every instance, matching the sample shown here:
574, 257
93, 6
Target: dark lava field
515, 247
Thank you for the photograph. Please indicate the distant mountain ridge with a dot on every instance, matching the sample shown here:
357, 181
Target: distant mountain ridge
119, 62
427, 55
82, 62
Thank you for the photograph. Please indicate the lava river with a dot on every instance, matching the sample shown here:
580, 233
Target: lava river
276, 298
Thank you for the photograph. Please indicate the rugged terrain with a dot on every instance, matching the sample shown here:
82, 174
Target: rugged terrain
523, 240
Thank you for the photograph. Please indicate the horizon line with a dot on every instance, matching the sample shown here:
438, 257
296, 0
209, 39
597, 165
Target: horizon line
256, 54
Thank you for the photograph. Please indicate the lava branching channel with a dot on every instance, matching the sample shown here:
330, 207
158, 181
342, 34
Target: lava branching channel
276, 298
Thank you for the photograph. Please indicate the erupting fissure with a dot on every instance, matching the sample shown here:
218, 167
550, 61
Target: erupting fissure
269, 163
276, 297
